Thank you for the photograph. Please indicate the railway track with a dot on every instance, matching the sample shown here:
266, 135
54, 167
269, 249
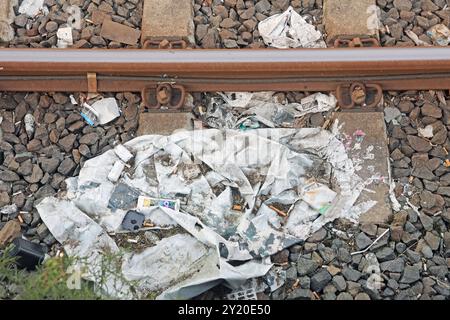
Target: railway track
233, 70
405, 89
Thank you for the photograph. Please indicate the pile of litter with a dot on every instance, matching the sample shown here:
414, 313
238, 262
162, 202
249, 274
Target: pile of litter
290, 30
232, 198
254, 110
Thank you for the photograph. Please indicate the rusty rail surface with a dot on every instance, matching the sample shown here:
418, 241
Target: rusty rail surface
205, 70
106, 70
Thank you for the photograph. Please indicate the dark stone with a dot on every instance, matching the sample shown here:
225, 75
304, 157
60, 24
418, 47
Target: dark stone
410, 275
320, 280
306, 266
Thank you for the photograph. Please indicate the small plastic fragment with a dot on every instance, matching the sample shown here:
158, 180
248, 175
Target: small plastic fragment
147, 202
116, 171
447, 163
100, 112
133, 221
439, 34
29, 255
249, 294
123, 153
65, 38
89, 115
31, 7
29, 124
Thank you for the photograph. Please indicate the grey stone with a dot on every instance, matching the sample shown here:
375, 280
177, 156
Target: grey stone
300, 294
427, 199
392, 284
385, 254
320, 280
426, 221
152, 237
428, 5
291, 273
445, 216
49, 240
427, 252
306, 266
8, 176
400, 247
42, 231
281, 257
445, 292
318, 236
353, 288
89, 139
49, 165
66, 166
369, 229
388, 292
343, 255
391, 114
67, 142
23, 156
362, 241
329, 288
403, 5
350, 274
362, 296
410, 275
329, 296
431, 110
396, 265
36, 175
263, 6
25, 168
44, 191
432, 240
305, 282
344, 296
413, 256
419, 144
445, 191
339, 283
439, 271
327, 254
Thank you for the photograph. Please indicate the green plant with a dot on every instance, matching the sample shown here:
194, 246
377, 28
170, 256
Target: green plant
52, 279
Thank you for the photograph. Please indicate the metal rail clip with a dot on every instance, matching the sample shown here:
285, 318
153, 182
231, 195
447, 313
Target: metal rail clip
359, 94
356, 42
166, 94
164, 44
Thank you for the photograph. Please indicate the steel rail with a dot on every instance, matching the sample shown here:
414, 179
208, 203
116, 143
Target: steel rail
234, 70
135, 83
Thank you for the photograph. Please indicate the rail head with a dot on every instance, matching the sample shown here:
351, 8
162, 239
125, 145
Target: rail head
226, 63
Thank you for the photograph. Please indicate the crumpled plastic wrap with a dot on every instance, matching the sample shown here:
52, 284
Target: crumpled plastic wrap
440, 34
65, 38
290, 30
31, 7
245, 195
238, 110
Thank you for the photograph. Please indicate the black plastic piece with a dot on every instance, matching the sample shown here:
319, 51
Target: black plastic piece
29, 254
133, 221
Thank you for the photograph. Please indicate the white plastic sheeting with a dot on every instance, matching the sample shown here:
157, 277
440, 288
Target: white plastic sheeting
208, 170
289, 30
65, 38
31, 7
